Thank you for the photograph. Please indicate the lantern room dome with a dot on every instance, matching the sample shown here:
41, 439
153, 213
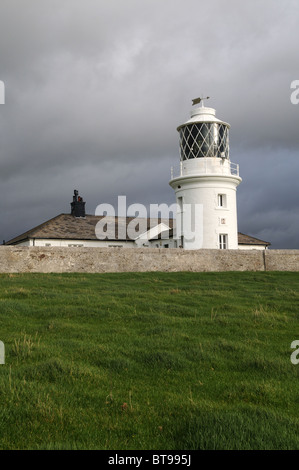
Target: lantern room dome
203, 114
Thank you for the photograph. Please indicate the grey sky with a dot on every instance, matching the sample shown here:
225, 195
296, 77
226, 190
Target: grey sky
96, 89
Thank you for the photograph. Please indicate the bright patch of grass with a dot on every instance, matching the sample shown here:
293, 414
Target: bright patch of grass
149, 361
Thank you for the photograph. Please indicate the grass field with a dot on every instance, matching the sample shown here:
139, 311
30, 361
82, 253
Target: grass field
172, 361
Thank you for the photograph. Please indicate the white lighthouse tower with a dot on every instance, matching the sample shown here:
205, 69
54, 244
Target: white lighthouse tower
206, 185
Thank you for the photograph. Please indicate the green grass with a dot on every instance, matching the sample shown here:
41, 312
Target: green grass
164, 361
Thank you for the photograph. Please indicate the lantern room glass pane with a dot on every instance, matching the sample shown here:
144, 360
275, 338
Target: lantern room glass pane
204, 140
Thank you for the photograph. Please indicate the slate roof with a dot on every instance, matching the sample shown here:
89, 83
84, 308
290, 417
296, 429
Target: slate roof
248, 240
68, 227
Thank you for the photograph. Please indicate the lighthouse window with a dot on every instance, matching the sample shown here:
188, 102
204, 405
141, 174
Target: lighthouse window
221, 200
180, 204
222, 241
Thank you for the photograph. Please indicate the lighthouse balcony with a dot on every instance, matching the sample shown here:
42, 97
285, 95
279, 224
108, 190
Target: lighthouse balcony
205, 166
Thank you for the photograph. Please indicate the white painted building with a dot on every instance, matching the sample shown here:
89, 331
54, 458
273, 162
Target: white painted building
206, 183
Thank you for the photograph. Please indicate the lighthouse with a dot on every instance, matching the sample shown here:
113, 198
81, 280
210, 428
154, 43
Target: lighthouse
206, 184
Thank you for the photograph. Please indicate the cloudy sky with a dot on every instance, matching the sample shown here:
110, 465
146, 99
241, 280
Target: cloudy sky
94, 92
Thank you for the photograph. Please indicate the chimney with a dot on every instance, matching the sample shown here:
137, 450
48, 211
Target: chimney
78, 206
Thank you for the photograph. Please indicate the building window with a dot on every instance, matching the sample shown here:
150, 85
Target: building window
180, 204
222, 241
180, 221
221, 200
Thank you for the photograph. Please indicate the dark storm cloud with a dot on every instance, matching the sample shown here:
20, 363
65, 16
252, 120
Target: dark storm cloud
96, 89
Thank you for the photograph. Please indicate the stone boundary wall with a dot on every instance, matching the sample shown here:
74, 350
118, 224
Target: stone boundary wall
15, 259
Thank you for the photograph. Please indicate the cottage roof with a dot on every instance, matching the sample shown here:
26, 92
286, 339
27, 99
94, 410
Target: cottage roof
249, 240
68, 227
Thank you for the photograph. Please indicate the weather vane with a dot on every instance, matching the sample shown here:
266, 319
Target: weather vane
198, 100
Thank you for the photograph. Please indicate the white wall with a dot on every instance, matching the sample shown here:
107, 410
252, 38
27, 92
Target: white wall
158, 243
205, 191
252, 247
74, 243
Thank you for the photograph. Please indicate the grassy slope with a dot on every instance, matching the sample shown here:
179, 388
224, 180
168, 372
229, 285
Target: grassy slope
149, 361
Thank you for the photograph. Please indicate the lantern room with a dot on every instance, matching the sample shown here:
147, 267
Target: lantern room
204, 136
